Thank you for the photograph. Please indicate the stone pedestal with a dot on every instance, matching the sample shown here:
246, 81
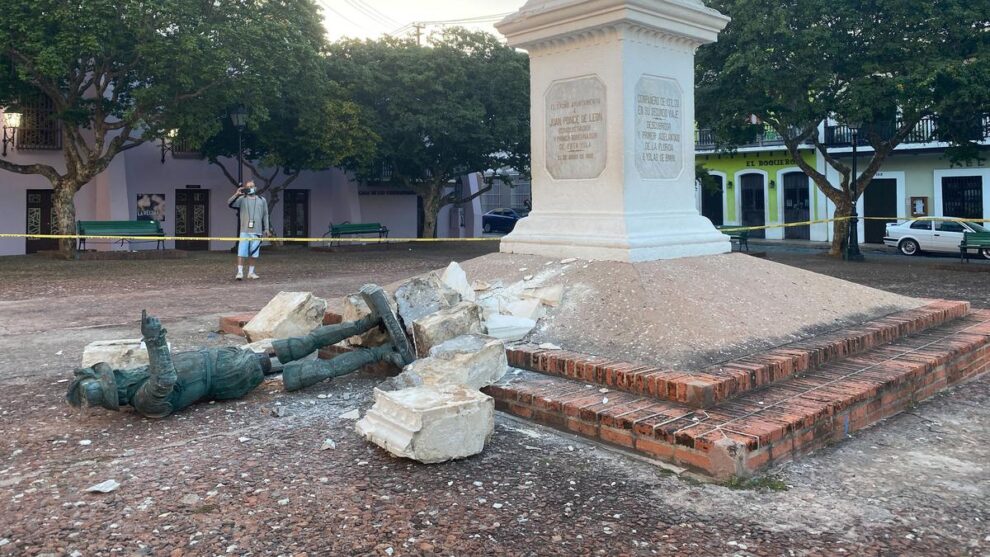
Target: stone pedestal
613, 129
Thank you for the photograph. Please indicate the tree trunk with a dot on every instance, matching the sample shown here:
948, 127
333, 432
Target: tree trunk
64, 213
840, 239
432, 203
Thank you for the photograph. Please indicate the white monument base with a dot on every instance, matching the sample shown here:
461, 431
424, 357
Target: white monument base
603, 238
612, 110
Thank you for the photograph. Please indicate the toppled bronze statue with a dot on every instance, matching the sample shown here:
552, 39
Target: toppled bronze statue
171, 382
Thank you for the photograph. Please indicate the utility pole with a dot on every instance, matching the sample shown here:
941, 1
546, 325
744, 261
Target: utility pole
419, 32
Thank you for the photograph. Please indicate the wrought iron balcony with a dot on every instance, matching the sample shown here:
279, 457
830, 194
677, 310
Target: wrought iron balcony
924, 132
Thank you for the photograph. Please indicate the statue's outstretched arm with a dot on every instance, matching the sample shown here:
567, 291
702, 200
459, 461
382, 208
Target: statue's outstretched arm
151, 398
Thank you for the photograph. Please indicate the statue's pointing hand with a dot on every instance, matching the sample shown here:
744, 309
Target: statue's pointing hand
151, 327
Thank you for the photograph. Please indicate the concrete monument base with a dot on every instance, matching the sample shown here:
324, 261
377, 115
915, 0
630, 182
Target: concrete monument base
606, 238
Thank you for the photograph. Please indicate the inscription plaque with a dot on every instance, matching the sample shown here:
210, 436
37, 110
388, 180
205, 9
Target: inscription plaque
659, 128
576, 143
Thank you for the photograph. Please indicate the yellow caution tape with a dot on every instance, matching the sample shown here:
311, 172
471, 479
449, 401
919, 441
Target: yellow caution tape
423, 240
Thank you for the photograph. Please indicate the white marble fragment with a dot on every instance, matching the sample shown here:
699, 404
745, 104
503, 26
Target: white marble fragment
476, 361
430, 424
455, 277
422, 296
288, 314
439, 327
509, 328
119, 354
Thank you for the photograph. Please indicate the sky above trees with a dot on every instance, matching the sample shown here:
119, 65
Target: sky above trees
374, 18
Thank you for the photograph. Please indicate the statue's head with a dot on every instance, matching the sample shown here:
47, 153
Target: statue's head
95, 386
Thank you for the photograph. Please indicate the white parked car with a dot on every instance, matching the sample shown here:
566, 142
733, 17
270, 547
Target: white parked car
921, 235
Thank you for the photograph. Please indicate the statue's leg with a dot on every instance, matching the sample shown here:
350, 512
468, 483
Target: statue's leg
299, 375
296, 348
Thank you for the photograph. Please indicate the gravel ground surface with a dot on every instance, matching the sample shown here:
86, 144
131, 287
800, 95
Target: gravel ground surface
233, 479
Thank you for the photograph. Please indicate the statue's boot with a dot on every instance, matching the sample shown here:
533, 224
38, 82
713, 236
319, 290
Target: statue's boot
299, 375
296, 348
374, 296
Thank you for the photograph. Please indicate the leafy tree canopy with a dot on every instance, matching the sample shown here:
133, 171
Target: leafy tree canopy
120, 72
886, 63
457, 105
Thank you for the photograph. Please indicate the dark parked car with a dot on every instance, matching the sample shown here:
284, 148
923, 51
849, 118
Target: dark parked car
500, 220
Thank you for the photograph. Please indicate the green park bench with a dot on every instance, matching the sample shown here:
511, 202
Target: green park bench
740, 237
338, 231
133, 228
974, 240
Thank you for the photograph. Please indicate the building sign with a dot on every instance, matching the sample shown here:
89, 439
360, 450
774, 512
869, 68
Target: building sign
659, 128
151, 206
575, 129
919, 206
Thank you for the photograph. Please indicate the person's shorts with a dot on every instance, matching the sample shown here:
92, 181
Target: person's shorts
249, 248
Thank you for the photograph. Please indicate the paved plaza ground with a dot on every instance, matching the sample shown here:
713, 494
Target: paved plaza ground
234, 479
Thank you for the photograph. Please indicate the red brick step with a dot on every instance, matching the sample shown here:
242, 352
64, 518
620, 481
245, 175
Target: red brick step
710, 386
741, 436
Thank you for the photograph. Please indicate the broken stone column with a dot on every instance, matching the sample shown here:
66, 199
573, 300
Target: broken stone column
119, 354
430, 424
422, 296
439, 327
288, 314
476, 361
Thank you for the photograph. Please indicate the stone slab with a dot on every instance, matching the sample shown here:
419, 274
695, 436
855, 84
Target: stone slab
288, 314
430, 424
438, 327
119, 354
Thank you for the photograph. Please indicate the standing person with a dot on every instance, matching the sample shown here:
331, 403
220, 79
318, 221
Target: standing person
253, 213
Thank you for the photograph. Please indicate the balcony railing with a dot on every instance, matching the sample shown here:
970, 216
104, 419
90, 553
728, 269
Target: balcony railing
924, 132
705, 140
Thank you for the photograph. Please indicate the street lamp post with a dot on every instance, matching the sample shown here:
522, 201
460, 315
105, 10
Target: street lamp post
239, 118
852, 247
11, 121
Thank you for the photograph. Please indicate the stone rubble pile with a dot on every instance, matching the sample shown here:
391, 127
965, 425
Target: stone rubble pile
434, 410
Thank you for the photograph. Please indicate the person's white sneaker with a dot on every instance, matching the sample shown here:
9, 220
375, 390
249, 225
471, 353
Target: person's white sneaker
239, 275
253, 276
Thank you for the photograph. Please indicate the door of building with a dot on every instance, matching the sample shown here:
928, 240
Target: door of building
797, 206
40, 220
753, 204
295, 214
192, 219
962, 197
712, 200
879, 201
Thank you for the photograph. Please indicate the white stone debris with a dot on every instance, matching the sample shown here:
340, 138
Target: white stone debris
480, 286
422, 296
119, 354
441, 326
549, 346
568, 261
455, 277
288, 314
475, 361
430, 424
263, 346
103, 487
328, 444
350, 415
529, 308
355, 308
509, 328
547, 295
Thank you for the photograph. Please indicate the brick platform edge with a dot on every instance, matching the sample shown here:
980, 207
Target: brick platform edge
742, 436
234, 324
716, 384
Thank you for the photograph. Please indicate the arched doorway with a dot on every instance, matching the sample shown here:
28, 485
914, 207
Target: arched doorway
797, 205
712, 199
754, 203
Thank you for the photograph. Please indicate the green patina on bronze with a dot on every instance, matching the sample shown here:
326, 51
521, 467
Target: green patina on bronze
172, 382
